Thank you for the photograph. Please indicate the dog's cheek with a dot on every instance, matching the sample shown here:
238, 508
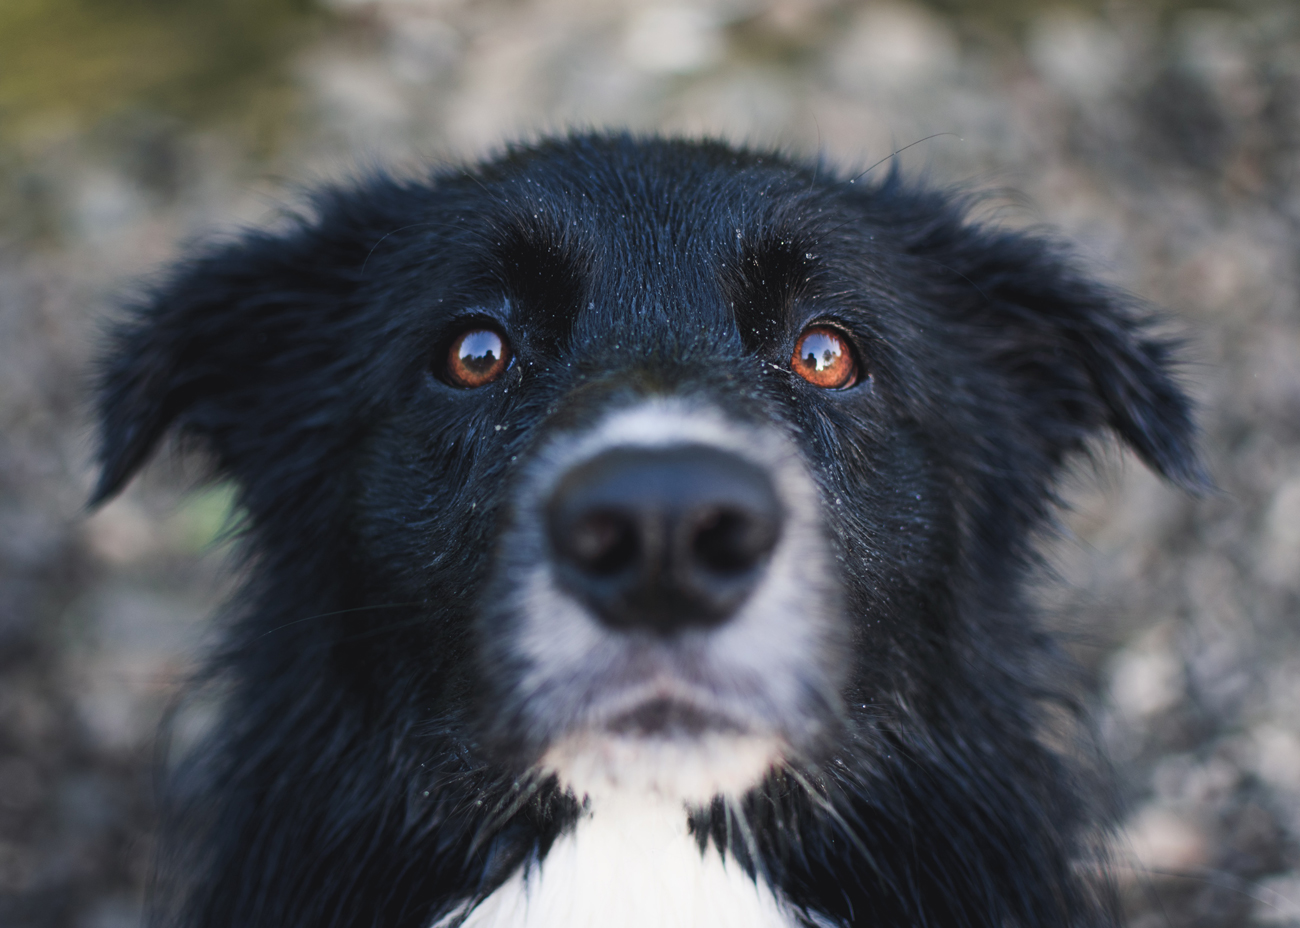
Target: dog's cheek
510, 710
422, 519
887, 491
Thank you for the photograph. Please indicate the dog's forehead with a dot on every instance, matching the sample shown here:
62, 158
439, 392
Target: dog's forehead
642, 212
664, 242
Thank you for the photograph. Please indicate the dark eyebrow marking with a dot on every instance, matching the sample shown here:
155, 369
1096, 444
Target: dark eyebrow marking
761, 283
543, 274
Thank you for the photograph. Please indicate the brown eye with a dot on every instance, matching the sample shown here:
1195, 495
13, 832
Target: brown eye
824, 358
477, 357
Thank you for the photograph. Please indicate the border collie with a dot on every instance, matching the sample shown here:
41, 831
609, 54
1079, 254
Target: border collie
636, 532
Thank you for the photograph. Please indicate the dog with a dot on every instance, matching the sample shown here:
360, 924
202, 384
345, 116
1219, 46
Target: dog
636, 532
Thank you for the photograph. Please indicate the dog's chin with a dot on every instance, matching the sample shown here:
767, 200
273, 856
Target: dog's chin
665, 751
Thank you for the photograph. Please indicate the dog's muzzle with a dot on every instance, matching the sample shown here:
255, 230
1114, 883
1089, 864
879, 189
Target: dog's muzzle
666, 605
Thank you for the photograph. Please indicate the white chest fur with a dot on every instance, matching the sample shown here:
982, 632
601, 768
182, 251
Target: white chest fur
630, 866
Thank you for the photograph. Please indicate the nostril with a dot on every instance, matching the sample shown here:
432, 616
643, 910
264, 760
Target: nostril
731, 541
604, 542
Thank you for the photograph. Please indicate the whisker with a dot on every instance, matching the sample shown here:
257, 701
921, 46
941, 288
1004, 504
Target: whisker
327, 615
828, 807
746, 834
898, 151
385, 629
531, 782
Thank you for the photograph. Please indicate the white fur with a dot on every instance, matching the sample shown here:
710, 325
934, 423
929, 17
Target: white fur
629, 864
682, 769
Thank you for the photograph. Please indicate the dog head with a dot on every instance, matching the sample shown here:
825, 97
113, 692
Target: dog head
653, 465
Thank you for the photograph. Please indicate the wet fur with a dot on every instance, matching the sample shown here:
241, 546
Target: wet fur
361, 774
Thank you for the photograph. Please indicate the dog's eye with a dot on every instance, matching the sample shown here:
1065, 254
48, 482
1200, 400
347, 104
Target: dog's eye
824, 358
477, 356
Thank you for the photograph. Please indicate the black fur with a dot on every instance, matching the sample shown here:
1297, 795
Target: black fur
352, 780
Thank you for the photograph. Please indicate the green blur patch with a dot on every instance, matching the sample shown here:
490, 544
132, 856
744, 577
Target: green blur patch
207, 518
85, 60
1010, 17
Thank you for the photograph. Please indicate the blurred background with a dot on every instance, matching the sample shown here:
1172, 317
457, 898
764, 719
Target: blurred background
1164, 138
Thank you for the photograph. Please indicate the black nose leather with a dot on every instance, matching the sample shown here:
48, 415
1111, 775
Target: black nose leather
663, 539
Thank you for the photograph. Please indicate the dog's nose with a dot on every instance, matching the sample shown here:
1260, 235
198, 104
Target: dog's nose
663, 539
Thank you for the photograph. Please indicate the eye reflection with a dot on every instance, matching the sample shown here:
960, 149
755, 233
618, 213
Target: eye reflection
824, 358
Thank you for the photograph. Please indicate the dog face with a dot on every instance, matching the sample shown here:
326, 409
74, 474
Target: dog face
636, 467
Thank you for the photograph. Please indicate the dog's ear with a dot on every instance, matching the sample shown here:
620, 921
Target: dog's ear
1081, 355
241, 349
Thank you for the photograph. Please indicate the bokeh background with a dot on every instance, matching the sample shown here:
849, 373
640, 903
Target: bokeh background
1164, 138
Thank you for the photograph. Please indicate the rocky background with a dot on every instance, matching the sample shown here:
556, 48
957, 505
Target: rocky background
1163, 138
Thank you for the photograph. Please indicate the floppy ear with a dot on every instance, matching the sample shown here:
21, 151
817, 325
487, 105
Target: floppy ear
240, 349
1080, 355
